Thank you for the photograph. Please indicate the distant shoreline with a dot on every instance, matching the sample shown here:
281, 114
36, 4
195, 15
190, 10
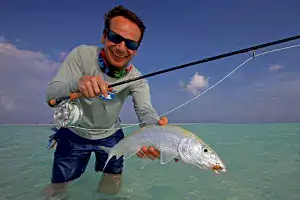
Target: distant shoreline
54, 124
26, 124
232, 123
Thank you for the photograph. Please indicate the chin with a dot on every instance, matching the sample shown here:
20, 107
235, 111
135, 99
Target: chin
118, 64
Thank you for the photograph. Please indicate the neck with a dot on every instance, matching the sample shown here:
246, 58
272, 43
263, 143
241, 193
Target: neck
111, 70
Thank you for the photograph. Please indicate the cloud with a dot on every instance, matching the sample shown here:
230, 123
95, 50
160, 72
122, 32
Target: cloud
274, 68
30, 59
26, 73
7, 104
197, 83
267, 99
24, 77
2, 39
63, 55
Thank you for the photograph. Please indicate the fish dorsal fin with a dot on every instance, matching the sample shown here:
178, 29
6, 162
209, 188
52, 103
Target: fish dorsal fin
167, 155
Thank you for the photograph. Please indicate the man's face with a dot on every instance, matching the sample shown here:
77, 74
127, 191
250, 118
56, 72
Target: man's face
119, 55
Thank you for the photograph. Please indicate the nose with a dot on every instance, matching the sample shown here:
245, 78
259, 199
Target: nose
121, 46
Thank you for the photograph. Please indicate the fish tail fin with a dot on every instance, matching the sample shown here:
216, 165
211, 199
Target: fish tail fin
108, 159
106, 149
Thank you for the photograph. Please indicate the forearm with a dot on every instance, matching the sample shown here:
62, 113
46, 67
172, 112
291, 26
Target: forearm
142, 103
57, 88
146, 115
67, 77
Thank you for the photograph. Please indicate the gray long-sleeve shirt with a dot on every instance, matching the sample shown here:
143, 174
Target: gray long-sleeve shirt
99, 115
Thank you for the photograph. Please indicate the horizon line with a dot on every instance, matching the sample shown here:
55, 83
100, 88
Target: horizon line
188, 123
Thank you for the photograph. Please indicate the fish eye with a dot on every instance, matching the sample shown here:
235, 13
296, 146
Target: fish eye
205, 150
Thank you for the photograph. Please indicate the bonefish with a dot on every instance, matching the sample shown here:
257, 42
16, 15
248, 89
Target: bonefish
173, 142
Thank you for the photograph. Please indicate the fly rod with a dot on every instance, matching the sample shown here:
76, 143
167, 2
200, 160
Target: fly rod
74, 96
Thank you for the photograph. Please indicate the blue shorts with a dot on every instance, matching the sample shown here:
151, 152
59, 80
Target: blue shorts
73, 152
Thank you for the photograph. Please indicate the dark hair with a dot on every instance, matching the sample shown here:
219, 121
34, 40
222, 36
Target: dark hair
122, 11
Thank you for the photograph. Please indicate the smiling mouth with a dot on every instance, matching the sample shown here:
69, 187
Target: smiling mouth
118, 56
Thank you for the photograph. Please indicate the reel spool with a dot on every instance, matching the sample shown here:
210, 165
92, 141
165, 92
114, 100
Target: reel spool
67, 113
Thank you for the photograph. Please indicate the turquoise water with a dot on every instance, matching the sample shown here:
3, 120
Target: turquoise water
263, 162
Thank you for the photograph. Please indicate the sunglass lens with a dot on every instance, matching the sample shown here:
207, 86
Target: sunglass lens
132, 45
116, 38
113, 37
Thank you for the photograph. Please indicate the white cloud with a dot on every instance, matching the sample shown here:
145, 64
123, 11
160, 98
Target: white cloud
63, 55
2, 39
27, 58
24, 77
7, 103
197, 83
275, 68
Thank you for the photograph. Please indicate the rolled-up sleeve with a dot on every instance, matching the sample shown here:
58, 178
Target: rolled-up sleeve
144, 110
66, 79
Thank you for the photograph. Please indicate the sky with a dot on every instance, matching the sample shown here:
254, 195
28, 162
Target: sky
35, 37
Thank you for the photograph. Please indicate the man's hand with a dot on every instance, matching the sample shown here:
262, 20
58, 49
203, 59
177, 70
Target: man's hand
151, 152
91, 86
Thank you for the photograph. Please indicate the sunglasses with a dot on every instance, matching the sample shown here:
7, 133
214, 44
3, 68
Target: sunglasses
116, 38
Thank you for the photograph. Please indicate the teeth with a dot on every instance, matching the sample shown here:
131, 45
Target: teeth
118, 56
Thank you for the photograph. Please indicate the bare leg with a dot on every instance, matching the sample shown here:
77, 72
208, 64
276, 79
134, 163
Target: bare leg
55, 189
110, 184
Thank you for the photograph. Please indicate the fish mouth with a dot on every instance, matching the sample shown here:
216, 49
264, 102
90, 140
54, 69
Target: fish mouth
217, 168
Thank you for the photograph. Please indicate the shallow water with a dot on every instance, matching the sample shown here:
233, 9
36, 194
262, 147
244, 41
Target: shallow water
262, 161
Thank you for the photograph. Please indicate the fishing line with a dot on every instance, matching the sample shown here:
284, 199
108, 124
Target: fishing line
205, 91
74, 96
220, 81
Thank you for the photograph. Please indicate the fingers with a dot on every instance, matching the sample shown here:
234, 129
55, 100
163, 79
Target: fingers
92, 86
163, 121
103, 88
102, 85
145, 154
95, 86
151, 153
83, 89
155, 153
148, 153
140, 154
90, 89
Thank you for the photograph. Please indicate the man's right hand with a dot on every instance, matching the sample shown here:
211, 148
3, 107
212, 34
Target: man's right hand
92, 86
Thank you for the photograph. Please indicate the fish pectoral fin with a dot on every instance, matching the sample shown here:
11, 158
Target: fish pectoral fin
167, 155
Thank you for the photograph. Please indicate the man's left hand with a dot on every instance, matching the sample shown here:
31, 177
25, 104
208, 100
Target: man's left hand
151, 152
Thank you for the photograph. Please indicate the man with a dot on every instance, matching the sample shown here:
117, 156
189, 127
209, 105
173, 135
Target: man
88, 70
